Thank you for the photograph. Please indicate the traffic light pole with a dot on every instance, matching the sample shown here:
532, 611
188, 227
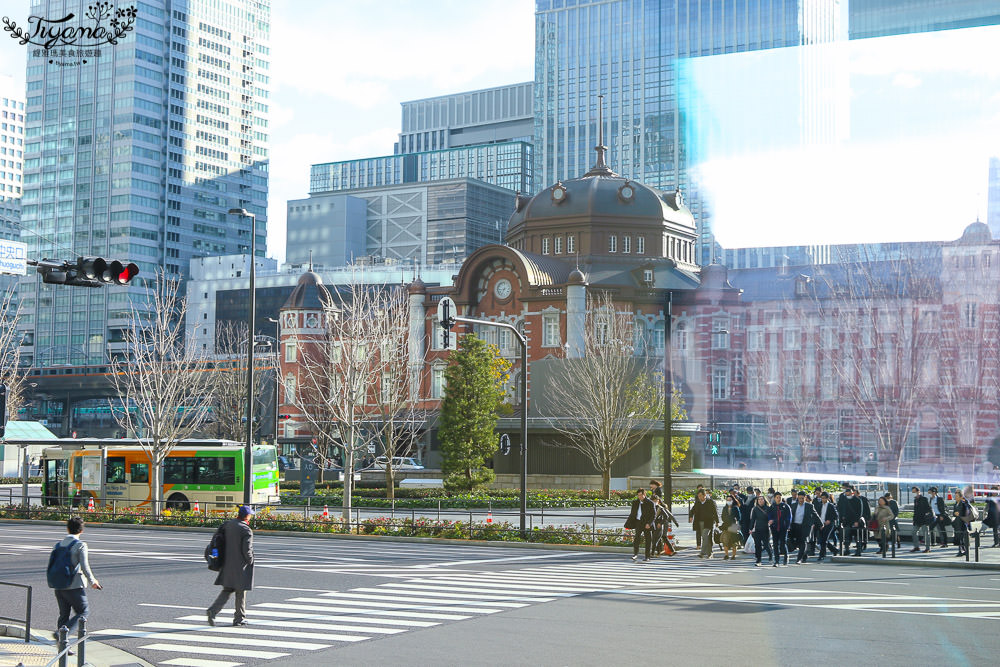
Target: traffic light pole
248, 449
668, 404
524, 402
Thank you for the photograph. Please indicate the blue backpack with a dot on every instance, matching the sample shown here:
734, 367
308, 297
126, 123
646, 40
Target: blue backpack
61, 570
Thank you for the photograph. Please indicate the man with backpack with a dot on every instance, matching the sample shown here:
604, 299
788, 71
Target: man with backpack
69, 574
236, 572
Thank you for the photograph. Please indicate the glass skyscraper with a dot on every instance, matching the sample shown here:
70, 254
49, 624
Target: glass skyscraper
627, 50
879, 18
138, 154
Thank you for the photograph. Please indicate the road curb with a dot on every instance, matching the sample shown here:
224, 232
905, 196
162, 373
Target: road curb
908, 562
98, 653
341, 536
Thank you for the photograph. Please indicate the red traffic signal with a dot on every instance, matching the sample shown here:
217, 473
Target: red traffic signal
128, 272
109, 272
283, 417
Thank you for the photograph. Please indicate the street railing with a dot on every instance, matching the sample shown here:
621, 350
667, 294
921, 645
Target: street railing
64, 647
26, 621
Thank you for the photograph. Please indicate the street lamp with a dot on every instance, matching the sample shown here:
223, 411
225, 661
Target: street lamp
668, 404
248, 451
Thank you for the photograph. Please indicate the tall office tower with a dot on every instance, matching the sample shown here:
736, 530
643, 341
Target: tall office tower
138, 152
627, 50
488, 116
11, 162
993, 198
878, 18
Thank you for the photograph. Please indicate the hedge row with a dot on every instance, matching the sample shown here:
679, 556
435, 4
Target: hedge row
266, 519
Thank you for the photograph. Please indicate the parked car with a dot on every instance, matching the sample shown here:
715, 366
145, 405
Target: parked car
398, 463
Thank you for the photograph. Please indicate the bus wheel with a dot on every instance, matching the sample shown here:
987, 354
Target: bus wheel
178, 501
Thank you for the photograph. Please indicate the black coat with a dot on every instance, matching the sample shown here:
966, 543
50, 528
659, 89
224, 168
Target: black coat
938, 506
922, 514
707, 513
758, 519
237, 566
831, 514
808, 518
730, 515
866, 504
641, 514
851, 510
992, 513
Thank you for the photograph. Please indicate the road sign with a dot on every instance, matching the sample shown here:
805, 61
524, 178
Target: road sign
446, 311
13, 257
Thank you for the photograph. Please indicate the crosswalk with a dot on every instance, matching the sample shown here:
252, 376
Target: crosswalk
311, 620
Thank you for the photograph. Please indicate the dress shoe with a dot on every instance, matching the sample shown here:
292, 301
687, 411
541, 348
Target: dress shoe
241, 624
211, 618
914, 549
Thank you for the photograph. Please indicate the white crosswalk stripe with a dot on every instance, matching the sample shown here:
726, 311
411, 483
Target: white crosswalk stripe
314, 619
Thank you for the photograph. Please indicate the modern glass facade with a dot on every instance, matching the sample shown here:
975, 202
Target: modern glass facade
138, 154
11, 162
878, 18
627, 50
507, 164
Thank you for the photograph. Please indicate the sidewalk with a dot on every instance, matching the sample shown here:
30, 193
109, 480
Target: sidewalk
989, 557
14, 651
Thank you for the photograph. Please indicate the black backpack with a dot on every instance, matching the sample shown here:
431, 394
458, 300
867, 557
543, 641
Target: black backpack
61, 570
215, 552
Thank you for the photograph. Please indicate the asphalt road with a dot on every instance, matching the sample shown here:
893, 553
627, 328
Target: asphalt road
332, 601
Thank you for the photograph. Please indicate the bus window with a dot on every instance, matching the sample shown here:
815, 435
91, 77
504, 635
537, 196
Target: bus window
215, 470
116, 470
140, 473
77, 466
178, 470
264, 458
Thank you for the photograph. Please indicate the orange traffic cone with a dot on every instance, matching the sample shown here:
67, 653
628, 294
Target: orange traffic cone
196, 508
489, 517
949, 496
326, 512
90, 504
668, 543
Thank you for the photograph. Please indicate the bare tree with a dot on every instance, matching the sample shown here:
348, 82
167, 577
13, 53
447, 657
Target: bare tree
339, 375
228, 381
608, 398
876, 302
12, 373
159, 379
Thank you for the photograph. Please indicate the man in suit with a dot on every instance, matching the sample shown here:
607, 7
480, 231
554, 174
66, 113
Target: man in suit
641, 519
803, 521
704, 516
851, 512
826, 520
923, 517
941, 520
236, 575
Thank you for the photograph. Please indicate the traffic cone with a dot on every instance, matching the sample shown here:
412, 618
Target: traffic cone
196, 508
326, 512
489, 517
949, 496
90, 504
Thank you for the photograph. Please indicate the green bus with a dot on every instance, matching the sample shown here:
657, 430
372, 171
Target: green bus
209, 472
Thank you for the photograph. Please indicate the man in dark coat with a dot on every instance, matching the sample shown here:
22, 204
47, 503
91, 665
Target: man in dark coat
851, 512
993, 515
641, 519
923, 518
236, 575
941, 520
803, 522
704, 516
826, 521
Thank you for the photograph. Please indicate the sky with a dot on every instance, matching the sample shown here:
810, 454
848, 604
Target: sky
340, 70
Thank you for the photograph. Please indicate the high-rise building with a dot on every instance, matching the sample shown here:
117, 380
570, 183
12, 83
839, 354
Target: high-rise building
11, 162
627, 51
993, 198
489, 116
879, 18
138, 152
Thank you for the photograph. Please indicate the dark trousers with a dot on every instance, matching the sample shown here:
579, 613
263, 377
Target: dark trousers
824, 536
853, 533
659, 534
780, 538
761, 541
74, 599
640, 533
696, 525
240, 608
799, 535
940, 525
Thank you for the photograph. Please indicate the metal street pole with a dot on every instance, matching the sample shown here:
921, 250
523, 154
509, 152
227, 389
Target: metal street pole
248, 450
668, 404
277, 376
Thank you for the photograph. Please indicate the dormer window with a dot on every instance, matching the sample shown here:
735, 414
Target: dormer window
647, 276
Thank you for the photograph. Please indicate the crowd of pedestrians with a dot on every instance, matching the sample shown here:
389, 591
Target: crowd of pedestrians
810, 523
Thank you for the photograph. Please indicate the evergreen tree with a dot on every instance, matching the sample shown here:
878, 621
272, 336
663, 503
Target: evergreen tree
474, 391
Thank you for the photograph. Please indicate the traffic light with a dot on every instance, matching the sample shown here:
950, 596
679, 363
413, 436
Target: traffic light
714, 442
87, 272
284, 417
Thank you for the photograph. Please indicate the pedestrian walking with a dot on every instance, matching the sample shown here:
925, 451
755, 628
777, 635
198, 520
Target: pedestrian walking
923, 518
894, 524
803, 521
993, 515
236, 575
941, 520
760, 530
705, 516
69, 574
655, 490
779, 517
661, 518
964, 514
850, 509
640, 519
883, 517
826, 519
731, 527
